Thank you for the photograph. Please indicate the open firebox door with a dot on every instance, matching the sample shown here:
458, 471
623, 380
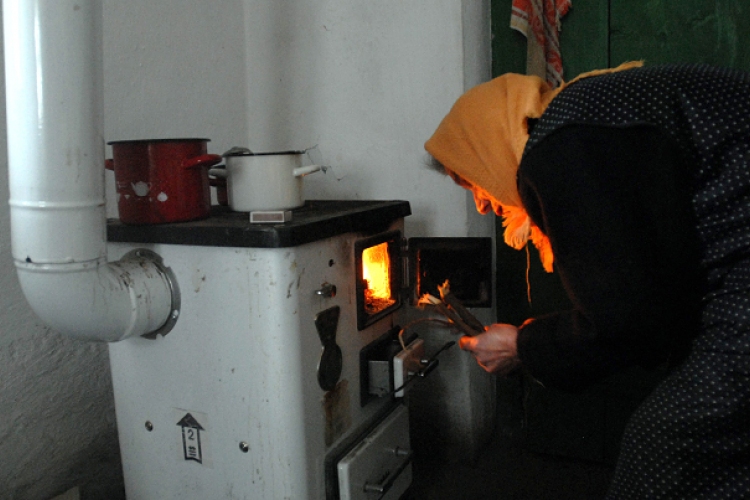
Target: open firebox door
391, 272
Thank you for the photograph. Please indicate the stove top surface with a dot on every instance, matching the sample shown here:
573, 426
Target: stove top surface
315, 220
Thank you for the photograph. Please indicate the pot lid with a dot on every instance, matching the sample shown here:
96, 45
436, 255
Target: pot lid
239, 151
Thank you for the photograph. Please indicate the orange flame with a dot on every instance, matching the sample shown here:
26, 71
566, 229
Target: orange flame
376, 271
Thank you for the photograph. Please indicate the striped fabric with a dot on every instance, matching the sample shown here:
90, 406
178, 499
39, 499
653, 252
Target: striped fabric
540, 21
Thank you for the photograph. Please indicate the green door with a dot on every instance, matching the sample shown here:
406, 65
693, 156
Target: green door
661, 31
604, 33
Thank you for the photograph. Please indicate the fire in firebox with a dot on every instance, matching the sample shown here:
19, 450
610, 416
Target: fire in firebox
376, 272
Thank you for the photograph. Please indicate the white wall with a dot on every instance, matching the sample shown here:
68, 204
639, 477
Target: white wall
173, 69
367, 81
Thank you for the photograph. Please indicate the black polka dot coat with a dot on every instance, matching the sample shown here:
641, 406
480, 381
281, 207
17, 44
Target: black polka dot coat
641, 181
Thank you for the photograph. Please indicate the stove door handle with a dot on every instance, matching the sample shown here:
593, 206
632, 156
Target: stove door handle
384, 486
326, 290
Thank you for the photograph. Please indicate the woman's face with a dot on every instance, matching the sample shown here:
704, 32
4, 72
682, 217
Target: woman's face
482, 199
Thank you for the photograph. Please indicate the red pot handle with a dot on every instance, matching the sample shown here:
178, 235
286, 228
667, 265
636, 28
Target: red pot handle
201, 161
109, 164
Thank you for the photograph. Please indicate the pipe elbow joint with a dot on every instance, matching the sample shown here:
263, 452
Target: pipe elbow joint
100, 301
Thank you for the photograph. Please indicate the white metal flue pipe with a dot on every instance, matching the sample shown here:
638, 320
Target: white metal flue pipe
54, 98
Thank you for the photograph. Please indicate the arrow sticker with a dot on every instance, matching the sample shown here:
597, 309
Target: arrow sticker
193, 436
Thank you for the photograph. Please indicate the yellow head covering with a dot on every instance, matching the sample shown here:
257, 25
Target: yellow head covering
482, 139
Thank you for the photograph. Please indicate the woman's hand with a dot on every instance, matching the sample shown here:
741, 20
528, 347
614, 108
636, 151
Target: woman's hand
495, 349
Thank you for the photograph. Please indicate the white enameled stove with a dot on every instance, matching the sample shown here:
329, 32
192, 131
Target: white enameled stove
255, 392
269, 384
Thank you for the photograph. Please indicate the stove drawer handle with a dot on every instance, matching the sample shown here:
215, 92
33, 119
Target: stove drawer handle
387, 483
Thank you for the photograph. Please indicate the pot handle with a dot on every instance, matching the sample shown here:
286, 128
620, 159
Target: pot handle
218, 172
109, 164
308, 169
201, 161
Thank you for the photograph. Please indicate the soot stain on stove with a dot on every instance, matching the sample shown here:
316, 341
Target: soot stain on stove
336, 409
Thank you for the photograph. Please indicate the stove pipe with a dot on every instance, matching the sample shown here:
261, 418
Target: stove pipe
54, 98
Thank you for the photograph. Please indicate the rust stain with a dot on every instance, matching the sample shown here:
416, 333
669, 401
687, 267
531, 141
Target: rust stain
336, 409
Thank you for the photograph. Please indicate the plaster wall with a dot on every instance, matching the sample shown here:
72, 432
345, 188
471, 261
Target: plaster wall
366, 82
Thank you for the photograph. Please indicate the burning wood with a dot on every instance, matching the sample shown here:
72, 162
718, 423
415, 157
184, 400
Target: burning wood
375, 303
450, 307
455, 304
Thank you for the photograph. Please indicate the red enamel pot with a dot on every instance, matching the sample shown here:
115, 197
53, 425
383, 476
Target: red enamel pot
162, 180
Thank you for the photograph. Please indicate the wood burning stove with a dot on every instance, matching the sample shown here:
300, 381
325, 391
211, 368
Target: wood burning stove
257, 390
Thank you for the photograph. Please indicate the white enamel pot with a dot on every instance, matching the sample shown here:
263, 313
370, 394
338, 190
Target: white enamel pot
264, 181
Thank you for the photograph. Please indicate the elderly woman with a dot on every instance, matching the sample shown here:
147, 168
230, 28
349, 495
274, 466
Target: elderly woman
634, 184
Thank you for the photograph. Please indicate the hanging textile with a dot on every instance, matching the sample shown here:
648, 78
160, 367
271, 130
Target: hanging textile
540, 21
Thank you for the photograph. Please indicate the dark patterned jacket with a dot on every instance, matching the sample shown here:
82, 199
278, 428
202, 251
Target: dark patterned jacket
641, 181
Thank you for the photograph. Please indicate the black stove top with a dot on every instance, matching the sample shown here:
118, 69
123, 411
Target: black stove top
315, 220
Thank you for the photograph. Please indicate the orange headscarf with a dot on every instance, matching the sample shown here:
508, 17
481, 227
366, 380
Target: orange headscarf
482, 139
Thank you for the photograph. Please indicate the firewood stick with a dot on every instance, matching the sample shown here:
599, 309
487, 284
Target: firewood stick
456, 320
451, 315
450, 299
